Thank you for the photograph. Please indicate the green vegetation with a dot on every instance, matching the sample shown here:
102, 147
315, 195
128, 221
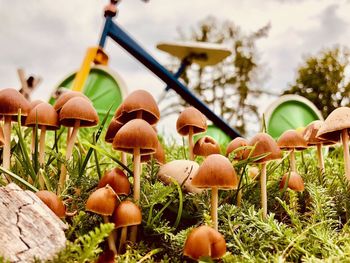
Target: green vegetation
311, 226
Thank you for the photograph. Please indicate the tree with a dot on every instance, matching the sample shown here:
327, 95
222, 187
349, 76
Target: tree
228, 87
322, 80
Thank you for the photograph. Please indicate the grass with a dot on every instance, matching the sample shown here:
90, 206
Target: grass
312, 226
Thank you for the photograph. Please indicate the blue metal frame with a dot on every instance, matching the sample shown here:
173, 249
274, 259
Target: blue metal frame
111, 29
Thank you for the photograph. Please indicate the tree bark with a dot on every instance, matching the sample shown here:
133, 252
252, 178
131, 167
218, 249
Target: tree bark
28, 227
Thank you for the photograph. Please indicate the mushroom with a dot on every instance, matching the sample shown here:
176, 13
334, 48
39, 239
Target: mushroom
159, 155
32, 105
126, 214
76, 112
263, 143
334, 128
11, 101
138, 105
204, 241
182, 171
103, 202
191, 121
116, 179
47, 119
309, 135
291, 140
206, 146
53, 202
235, 144
139, 138
216, 172
295, 181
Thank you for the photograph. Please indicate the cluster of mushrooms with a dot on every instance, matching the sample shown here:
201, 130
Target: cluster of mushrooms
133, 131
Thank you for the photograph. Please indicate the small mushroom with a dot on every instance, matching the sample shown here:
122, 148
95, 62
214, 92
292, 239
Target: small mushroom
138, 105
216, 172
235, 144
116, 179
158, 156
206, 146
336, 127
103, 202
76, 112
126, 214
204, 241
295, 181
182, 171
291, 140
53, 202
11, 101
113, 127
309, 135
47, 119
263, 144
191, 121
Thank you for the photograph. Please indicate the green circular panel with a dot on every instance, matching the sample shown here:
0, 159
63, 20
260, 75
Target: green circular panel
102, 89
290, 115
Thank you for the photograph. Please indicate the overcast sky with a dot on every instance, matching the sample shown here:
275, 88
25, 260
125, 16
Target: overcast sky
49, 38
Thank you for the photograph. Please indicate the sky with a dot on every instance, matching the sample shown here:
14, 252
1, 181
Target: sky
49, 38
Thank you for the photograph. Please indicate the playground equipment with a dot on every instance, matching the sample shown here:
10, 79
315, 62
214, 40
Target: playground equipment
97, 56
290, 112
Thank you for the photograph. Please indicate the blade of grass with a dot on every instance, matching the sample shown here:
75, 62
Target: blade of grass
110, 156
19, 179
98, 134
98, 169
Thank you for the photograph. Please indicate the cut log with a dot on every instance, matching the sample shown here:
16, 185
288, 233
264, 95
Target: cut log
28, 228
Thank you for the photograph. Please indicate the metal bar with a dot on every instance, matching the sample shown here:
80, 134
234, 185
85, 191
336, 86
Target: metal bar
118, 35
105, 31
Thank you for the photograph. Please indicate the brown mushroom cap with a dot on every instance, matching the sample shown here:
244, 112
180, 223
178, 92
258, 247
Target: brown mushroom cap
206, 146
112, 130
338, 120
191, 117
204, 241
102, 201
53, 202
136, 134
43, 114
159, 155
66, 97
295, 182
138, 101
127, 214
310, 132
117, 179
11, 101
264, 144
235, 144
34, 103
78, 108
216, 171
291, 139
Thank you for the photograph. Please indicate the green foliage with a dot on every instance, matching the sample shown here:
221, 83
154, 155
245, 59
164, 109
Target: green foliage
322, 80
85, 248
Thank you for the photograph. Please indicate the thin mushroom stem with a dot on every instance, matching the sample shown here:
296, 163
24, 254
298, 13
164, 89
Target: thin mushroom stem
292, 160
214, 207
123, 158
7, 145
64, 176
345, 141
110, 239
32, 147
263, 189
190, 143
137, 181
320, 158
42, 155
123, 237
